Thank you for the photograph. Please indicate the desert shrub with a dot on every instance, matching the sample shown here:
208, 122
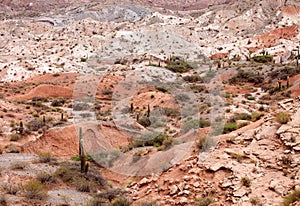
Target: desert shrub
11, 189
243, 124
121, 201
263, 58
202, 142
190, 124
282, 117
291, 198
35, 190
107, 158
144, 121
18, 165
242, 116
82, 185
137, 156
246, 76
171, 112
44, 177
45, 157
107, 92
65, 174
162, 89
204, 201
204, 123
287, 160
3, 201
249, 97
209, 75
255, 201
196, 88
256, 116
167, 142
35, 124
111, 194
178, 65
12, 148
80, 106
246, 181
58, 102
192, 78
96, 201
283, 73
148, 203
229, 127
15, 137
150, 139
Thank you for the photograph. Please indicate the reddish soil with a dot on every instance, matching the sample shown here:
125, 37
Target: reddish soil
270, 39
292, 10
295, 89
236, 90
46, 91
219, 56
62, 142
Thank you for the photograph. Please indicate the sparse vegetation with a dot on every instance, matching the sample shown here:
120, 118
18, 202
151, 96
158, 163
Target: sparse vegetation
229, 127
11, 188
246, 181
246, 76
121, 201
291, 198
45, 157
44, 177
177, 64
263, 58
204, 201
35, 190
282, 117
18, 165
3, 201
15, 137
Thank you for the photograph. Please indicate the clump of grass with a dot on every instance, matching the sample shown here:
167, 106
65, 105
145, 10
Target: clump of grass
15, 137
11, 189
229, 127
65, 174
246, 181
282, 117
255, 201
148, 203
44, 177
35, 190
204, 201
82, 185
18, 165
45, 157
121, 201
3, 201
291, 198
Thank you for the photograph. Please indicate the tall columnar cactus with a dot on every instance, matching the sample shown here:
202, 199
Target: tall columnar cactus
287, 82
81, 151
21, 127
44, 120
148, 111
131, 107
62, 117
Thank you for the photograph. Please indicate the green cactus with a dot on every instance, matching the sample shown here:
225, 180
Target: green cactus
148, 111
21, 127
81, 152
